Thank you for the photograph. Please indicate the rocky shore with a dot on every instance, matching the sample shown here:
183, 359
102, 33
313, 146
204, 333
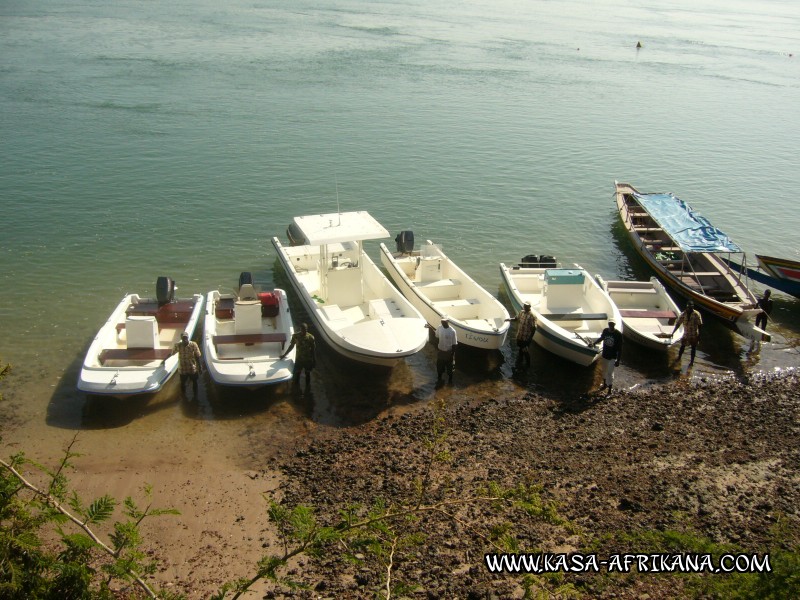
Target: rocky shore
705, 464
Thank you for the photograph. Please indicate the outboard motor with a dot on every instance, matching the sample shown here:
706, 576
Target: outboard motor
165, 290
245, 277
405, 242
547, 262
530, 260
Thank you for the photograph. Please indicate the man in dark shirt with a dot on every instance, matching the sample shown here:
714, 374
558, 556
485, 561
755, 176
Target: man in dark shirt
306, 353
612, 353
765, 304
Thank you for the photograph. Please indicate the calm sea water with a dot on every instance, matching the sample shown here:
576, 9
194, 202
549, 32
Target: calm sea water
139, 140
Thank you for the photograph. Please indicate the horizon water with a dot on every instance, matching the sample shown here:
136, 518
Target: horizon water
179, 139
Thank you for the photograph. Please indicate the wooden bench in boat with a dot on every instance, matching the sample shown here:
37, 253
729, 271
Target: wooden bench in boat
655, 247
647, 314
576, 316
134, 354
692, 274
619, 290
249, 338
647, 229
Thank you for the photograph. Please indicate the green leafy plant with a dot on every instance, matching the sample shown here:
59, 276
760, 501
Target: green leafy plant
84, 566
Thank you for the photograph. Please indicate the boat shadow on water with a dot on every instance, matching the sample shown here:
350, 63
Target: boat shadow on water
70, 408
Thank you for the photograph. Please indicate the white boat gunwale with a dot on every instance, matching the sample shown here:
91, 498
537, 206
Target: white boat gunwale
641, 316
557, 339
248, 371
341, 252
125, 380
489, 337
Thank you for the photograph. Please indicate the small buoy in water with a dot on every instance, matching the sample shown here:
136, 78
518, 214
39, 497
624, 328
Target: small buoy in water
638, 45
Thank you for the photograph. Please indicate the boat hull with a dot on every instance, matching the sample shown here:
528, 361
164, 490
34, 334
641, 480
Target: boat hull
734, 313
784, 285
571, 339
111, 369
478, 318
388, 329
648, 312
247, 360
780, 268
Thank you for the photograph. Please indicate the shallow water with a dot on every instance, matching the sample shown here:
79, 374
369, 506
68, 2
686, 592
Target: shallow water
178, 140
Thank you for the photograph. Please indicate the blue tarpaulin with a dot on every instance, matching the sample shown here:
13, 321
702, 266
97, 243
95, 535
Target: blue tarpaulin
691, 231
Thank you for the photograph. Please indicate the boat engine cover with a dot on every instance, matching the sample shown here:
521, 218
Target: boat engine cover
405, 242
165, 290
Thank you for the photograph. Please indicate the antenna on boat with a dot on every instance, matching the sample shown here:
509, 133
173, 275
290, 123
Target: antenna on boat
338, 210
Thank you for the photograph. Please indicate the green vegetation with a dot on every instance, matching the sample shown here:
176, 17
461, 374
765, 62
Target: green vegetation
81, 565
783, 580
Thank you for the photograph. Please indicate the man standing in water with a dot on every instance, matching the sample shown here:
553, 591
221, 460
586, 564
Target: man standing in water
525, 329
446, 349
189, 365
612, 353
765, 304
306, 353
692, 323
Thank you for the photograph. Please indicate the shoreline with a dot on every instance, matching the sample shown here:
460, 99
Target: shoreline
608, 465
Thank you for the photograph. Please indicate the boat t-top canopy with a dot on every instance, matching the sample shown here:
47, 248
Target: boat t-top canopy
690, 230
335, 228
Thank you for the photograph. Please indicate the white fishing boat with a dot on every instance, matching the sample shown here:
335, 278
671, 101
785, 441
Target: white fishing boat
352, 304
436, 286
571, 309
245, 334
647, 310
132, 352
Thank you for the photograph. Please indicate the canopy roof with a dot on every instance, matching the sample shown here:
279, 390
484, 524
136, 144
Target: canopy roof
690, 230
334, 228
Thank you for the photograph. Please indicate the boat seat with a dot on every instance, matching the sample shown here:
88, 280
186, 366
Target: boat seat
335, 316
449, 304
247, 317
647, 314
249, 338
632, 290
384, 308
655, 247
692, 275
142, 332
121, 326
247, 292
224, 308
576, 316
134, 354
647, 229
437, 283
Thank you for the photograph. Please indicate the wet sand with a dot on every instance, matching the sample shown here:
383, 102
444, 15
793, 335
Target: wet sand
218, 459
